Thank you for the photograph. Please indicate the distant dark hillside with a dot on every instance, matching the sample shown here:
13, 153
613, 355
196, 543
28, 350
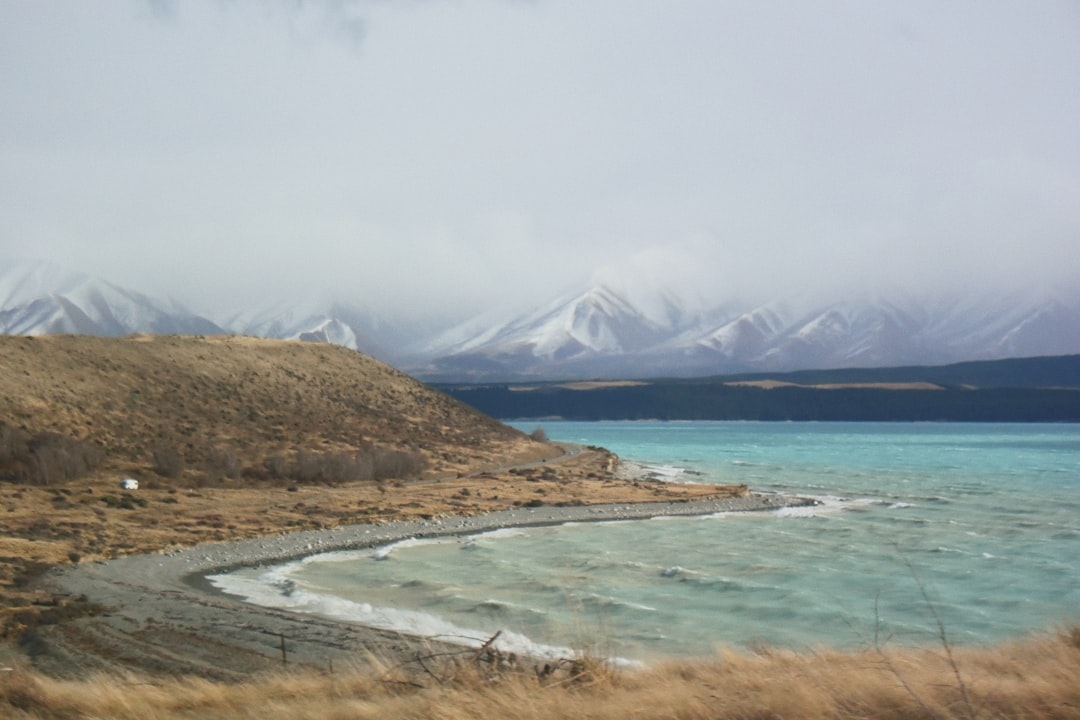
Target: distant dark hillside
1020, 390
1041, 372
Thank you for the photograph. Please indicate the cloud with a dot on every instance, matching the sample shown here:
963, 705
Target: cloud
439, 158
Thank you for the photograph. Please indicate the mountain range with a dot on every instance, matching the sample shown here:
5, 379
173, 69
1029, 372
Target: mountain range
600, 331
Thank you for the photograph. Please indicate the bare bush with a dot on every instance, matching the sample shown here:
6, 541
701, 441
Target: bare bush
276, 466
220, 463
372, 464
45, 458
396, 464
168, 462
306, 467
12, 443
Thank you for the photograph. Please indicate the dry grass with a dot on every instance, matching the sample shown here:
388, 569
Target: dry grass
1035, 678
222, 400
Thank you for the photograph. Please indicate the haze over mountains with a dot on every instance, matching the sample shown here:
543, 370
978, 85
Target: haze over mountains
612, 329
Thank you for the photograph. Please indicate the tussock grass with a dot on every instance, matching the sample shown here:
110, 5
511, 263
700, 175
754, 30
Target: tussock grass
177, 410
1035, 678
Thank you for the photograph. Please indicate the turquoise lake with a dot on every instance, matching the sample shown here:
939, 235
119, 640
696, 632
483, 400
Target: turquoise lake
975, 525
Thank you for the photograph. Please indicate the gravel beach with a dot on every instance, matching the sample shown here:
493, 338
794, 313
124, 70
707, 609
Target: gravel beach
161, 616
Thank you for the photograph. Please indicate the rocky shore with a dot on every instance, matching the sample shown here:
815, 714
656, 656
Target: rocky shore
158, 613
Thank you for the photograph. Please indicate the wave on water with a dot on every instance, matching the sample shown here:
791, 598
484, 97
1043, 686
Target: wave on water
648, 471
422, 585
825, 506
501, 533
493, 607
383, 552
719, 583
411, 622
832, 505
609, 603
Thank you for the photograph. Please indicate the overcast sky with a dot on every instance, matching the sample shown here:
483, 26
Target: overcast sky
447, 155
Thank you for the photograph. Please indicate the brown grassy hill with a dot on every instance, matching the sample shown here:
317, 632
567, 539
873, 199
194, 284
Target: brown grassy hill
226, 411
233, 438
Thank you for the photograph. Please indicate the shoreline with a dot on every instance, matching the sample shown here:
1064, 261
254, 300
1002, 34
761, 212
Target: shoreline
164, 616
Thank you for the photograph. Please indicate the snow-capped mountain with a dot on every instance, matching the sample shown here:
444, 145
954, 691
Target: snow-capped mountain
595, 321
44, 299
601, 334
41, 298
302, 320
599, 324
315, 319
608, 330
786, 335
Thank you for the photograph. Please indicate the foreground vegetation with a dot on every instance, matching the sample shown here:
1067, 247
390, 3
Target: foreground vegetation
1035, 678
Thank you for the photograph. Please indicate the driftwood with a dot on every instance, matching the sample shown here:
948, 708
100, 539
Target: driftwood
492, 664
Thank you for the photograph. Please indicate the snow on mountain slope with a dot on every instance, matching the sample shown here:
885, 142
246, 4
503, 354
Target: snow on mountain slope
606, 330
600, 333
317, 327
859, 333
746, 335
321, 319
289, 319
44, 299
596, 323
40, 298
1007, 325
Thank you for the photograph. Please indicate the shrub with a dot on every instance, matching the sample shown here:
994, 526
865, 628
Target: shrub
372, 464
45, 458
223, 462
168, 462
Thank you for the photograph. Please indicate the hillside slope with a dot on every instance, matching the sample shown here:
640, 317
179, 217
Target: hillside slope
228, 410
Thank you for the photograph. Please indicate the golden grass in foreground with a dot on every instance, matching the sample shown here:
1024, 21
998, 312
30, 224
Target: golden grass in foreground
1034, 678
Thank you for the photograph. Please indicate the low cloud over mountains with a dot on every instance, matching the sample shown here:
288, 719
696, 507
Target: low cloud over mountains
605, 330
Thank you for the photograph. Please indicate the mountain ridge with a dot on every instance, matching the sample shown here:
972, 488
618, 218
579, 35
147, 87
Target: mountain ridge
603, 330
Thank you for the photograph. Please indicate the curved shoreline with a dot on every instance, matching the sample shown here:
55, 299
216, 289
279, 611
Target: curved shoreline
164, 616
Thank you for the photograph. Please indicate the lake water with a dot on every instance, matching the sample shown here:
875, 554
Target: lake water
976, 525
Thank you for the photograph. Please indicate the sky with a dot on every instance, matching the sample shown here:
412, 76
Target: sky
441, 157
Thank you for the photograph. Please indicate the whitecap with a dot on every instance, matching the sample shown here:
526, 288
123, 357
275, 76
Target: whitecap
608, 601
955, 551
824, 506
383, 553
411, 622
502, 533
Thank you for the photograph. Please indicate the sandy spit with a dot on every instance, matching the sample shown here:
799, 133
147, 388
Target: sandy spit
163, 617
